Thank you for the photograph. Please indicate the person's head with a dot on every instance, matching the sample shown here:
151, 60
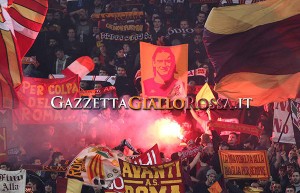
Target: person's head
184, 24
296, 177
248, 145
57, 15
120, 53
71, 33
157, 22
108, 8
232, 139
53, 175
52, 42
290, 189
103, 72
57, 157
198, 29
264, 140
5, 166
102, 48
59, 53
48, 187
211, 176
276, 187
121, 71
96, 30
205, 139
96, 60
201, 17
63, 3
163, 61
292, 154
290, 168
197, 39
32, 183
155, 15
126, 48
36, 161
49, 16
282, 171
83, 85
83, 15
168, 9
204, 8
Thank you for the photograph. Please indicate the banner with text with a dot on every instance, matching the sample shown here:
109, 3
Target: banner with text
36, 94
118, 16
165, 177
244, 164
122, 37
281, 112
235, 127
12, 181
99, 92
150, 157
190, 152
124, 26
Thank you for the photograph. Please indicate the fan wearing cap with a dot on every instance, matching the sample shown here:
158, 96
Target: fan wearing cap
210, 180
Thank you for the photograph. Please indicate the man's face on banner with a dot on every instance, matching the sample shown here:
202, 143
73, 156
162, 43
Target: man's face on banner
164, 65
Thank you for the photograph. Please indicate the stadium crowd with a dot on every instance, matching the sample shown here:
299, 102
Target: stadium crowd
69, 32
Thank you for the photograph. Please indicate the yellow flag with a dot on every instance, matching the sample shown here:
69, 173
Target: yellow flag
215, 188
205, 93
74, 186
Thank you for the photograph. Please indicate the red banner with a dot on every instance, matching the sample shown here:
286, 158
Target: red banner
150, 157
165, 177
36, 94
235, 127
191, 152
101, 91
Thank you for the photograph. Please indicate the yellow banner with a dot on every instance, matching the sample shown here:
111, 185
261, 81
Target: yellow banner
118, 15
244, 164
164, 70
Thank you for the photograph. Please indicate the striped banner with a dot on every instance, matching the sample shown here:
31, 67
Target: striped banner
255, 49
20, 23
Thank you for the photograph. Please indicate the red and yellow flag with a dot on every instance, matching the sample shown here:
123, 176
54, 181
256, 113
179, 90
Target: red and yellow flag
255, 49
20, 24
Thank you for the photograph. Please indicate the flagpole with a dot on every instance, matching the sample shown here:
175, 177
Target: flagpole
290, 113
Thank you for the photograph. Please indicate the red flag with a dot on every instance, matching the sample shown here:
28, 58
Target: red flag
20, 23
82, 66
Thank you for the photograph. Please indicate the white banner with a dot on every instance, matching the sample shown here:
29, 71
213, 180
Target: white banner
12, 181
281, 112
